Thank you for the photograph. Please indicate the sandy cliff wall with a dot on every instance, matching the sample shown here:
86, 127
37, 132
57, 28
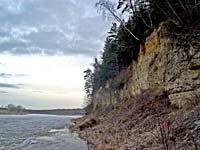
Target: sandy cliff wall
164, 62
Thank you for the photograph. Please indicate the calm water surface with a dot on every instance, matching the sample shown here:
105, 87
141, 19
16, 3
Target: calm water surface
38, 132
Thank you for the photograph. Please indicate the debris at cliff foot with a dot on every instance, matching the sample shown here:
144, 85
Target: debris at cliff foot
146, 122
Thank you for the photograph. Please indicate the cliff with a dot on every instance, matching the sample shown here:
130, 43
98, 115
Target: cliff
154, 104
167, 61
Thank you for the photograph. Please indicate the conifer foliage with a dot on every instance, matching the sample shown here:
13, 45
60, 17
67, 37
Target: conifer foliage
124, 38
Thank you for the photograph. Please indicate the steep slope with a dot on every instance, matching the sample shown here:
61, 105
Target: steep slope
154, 104
148, 122
166, 61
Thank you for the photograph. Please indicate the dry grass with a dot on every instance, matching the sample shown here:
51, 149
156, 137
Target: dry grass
137, 125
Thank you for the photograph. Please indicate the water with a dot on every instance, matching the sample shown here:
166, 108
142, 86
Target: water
38, 132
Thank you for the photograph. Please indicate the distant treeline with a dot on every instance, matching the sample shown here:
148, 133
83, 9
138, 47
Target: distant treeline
18, 109
58, 112
12, 107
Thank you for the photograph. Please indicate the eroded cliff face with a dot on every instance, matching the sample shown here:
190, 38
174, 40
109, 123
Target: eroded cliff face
170, 64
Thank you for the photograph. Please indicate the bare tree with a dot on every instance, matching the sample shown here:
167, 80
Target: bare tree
108, 8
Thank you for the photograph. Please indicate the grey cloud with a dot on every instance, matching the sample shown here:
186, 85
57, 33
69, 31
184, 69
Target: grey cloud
6, 75
38, 91
21, 75
21, 85
2, 64
68, 27
3, 92
11, 86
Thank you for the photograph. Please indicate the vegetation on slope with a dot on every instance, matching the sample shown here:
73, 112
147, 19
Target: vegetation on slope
123, 42
147, 122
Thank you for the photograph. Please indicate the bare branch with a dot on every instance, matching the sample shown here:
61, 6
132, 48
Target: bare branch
170, 6
106, 5
163, 11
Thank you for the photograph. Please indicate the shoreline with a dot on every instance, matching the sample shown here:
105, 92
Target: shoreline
63, 112
141, 125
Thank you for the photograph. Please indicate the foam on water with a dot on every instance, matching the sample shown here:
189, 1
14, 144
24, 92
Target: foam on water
57, 130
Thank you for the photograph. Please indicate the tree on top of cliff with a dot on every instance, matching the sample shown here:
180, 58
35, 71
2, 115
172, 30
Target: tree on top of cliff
124, 38
88, 82
152, 12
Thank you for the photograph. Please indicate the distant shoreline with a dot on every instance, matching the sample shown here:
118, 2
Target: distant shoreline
70, 112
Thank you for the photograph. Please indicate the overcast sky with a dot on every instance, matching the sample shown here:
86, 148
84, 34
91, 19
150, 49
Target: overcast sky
45, 45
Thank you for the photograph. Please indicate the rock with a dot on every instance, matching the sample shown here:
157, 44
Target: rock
197, 125
163, 64
88, 123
